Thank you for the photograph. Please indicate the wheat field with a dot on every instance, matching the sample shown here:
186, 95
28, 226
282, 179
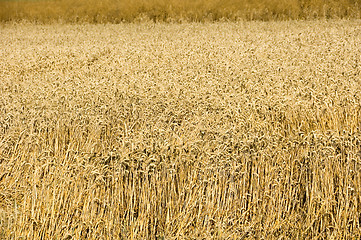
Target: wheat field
228, 130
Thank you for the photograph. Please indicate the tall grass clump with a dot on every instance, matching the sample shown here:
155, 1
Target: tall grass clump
115, 11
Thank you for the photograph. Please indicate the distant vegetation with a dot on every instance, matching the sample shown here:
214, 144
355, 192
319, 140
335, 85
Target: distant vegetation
176, 10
